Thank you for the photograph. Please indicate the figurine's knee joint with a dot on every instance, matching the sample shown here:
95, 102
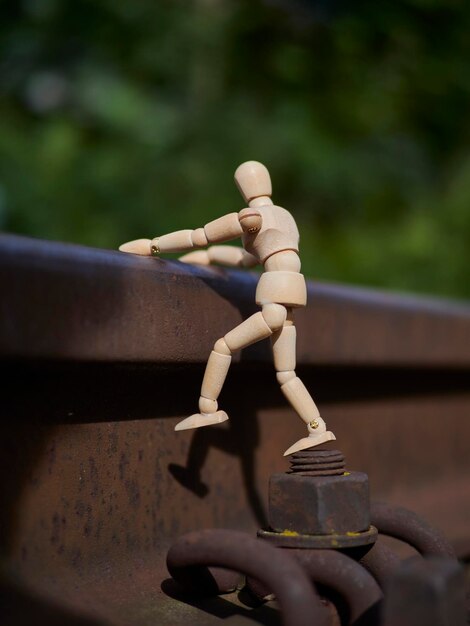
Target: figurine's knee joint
285, 377
274, 315
221, 347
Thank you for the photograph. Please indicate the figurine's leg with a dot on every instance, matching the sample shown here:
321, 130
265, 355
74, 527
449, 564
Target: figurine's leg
257, 327
283, 343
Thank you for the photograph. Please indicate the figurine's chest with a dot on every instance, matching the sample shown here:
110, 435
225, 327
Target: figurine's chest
278, 218
278, 232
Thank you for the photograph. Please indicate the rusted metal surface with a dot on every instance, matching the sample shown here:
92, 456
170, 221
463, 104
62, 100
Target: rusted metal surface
347, 578
438, 584
381, 562
406, 525
95, 350
189, 556
313, 499
348, 586
430, 592
109, 306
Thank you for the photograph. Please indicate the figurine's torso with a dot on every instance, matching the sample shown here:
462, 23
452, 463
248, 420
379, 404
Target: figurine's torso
277, 239
278, 232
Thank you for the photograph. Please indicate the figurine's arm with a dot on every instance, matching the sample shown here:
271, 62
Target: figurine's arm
223, 255
224, 228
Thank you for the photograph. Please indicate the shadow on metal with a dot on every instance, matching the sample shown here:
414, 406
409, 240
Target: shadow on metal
20, 607
240, 438
220, 607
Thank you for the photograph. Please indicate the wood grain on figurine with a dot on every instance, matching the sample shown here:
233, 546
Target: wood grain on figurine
199, 238
297, 394
251, 330
286, 260
197, 257
138, 246
230, 256
226, 255
215, 374
287, 288
224, 228
261, 201
207, 405
249, 260
253, 180
251, 220
283, 343
174, 242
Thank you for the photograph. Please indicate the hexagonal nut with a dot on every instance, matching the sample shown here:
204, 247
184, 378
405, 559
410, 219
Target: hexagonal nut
319, 505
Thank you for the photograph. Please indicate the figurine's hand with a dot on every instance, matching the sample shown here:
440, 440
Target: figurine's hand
138, 246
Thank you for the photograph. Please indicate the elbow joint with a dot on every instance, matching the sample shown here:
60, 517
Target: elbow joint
199, 239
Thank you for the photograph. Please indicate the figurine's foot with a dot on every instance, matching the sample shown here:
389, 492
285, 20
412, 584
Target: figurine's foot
310, 442
202, 419
188, 479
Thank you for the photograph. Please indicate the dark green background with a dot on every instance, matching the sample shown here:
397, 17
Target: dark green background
127, 118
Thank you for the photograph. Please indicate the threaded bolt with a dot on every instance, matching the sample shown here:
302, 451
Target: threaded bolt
317, 463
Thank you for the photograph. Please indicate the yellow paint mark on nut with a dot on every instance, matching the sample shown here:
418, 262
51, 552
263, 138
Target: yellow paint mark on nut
350, 533
347, 474
290, 533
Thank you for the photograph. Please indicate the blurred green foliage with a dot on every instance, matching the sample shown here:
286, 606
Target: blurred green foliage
122, 119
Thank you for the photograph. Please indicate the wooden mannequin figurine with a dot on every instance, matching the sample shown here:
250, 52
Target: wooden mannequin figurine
270, 237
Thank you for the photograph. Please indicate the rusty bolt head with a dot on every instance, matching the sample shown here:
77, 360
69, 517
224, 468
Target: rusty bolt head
319, 505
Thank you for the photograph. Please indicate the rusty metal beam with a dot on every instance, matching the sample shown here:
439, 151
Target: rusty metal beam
108, 306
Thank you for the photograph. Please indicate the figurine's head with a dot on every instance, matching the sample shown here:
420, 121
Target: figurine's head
253, 180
